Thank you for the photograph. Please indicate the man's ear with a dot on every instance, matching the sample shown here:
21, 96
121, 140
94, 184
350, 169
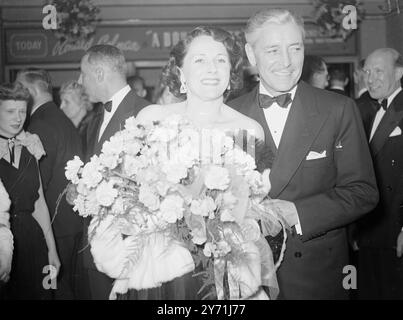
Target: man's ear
99, 74
398, 73
33, 90
356, 76
250, 54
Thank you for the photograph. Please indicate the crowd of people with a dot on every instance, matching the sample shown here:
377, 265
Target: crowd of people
336, 177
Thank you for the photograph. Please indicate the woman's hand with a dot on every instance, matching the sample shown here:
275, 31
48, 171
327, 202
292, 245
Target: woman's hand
4, 271
6, 252
71, 193
54, 260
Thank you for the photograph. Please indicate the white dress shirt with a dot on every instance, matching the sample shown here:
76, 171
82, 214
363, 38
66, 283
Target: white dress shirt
276, 118
379, 115
116, 99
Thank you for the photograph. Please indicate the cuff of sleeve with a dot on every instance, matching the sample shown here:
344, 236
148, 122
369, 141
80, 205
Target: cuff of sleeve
298, 228
297, 225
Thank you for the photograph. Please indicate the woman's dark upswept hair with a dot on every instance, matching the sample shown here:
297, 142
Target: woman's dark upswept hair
171, 72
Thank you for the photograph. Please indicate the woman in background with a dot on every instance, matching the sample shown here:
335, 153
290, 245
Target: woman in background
77, 107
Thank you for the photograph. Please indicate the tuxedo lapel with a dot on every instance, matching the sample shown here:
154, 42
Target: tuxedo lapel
392, 117
125, 109
93, 131
302, 126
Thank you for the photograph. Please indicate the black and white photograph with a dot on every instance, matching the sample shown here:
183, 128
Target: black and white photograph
178, 154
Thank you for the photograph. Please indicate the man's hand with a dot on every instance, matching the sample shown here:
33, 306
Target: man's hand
71, 193
399, 245
285, 209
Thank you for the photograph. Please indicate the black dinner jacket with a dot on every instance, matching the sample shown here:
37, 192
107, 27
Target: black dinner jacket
339, 91
368, 109
61, 142
130, 106
329, 192
381, 227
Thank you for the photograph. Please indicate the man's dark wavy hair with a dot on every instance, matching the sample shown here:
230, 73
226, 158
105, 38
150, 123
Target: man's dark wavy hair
171, 72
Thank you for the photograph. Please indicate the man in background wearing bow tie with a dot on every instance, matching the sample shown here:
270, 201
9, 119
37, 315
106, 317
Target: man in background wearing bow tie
380, 233
103, 75
322, 176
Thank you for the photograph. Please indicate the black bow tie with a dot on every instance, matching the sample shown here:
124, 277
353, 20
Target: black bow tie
108, 105
11, 147
383, 104
283, 100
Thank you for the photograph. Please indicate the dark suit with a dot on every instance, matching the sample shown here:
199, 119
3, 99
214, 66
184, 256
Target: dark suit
339, 91
381, 271
100, 284
61, 142
328, 193
368, 109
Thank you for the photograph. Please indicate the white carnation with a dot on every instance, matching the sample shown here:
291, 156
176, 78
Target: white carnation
175, 171
72, 168
172, 208
217, 178
148, 198
106, 193
91, 174
113, 146
109, 161
203, 207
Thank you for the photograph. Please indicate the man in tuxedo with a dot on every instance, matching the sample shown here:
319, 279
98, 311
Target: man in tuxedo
61, 142
380, 236
322, 176
103, 75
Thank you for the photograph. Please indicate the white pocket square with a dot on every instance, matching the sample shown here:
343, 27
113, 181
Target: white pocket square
396, 132
312, 155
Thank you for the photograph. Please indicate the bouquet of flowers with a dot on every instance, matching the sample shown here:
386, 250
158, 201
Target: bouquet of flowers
166, 196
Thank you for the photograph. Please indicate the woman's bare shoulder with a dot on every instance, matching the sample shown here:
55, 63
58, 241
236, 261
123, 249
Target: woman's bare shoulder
246, 123
157, 112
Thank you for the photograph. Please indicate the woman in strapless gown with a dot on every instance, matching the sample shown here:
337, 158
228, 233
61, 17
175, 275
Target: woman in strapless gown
202, 70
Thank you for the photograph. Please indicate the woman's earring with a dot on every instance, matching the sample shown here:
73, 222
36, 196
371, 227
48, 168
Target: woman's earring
183, 88
229, 86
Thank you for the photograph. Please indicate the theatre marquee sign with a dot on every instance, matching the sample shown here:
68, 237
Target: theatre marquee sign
137, 42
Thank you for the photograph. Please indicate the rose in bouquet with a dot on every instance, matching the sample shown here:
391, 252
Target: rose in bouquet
162, 193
